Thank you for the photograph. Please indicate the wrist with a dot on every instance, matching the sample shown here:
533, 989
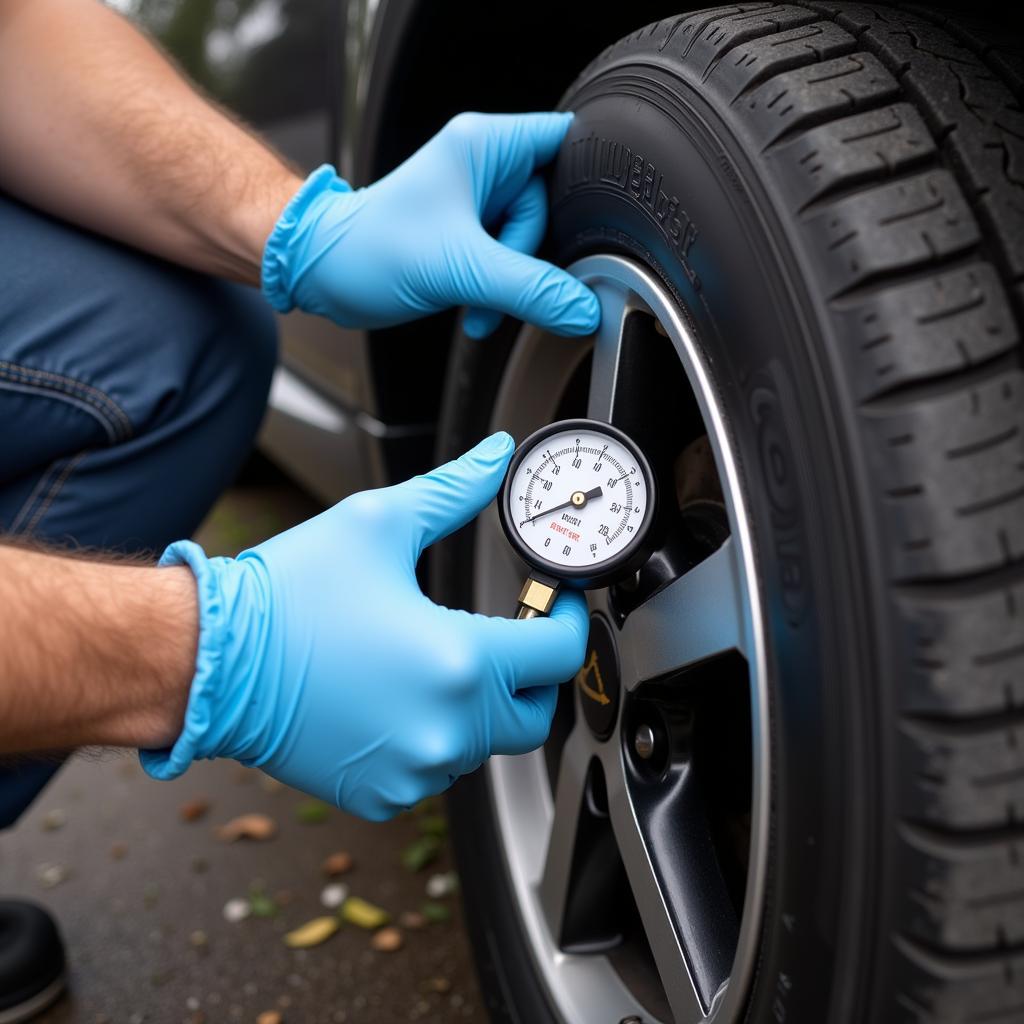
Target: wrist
169, 625
255, 216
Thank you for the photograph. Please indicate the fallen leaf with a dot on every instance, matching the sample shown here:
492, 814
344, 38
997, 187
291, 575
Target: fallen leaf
387, 940
421, 852
436, 913
442, 885
439, 985
193, 810
312, 812
363, 914
332, 896
412, 920
283, 897
262, 905
269, 1017
338, 863
248, 826
236, 910
312, 933
433, 825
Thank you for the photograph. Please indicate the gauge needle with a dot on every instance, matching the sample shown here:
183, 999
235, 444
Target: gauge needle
577, 500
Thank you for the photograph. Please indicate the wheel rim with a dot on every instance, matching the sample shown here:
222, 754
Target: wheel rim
703, 950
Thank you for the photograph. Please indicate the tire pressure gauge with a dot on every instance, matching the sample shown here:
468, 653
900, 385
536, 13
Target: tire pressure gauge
576, 505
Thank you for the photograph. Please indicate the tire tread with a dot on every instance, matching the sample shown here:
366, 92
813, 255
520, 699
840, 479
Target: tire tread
894, 139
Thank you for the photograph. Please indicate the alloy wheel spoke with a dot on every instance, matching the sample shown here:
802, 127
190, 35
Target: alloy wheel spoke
607, 346
695, 617
569, 791
679, 891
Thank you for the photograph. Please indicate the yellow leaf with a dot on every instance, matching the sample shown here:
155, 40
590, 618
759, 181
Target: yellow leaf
312, 933
363, 914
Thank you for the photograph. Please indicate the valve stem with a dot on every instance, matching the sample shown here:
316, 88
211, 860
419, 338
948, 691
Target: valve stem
537, 596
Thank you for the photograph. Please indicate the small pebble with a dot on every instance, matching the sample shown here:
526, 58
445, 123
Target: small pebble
51, 875
439, 985
412, 920
200, 865
237, 910
118, 850
198, 939
442, 885
332, 896
283, 897
269, 1017
387, 940
54, 819
338, 863
284, 1001
191, 1003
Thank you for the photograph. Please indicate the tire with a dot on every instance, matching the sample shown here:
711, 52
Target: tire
834, 194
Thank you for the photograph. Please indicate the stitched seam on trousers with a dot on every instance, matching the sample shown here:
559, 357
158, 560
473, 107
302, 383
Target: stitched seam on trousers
31, 500
54, 491
58, 396
47, 380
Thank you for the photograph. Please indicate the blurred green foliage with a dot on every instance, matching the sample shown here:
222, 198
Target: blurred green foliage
265, 59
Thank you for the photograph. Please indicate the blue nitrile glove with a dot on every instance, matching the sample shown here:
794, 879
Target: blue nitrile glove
322, 662
416, 241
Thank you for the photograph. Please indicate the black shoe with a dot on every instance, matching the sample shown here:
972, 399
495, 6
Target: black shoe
31, 961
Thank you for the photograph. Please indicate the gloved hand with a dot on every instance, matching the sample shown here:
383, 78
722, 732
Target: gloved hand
416, 242
322, 662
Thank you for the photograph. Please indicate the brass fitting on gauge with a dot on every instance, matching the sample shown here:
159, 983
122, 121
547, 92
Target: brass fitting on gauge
537, 596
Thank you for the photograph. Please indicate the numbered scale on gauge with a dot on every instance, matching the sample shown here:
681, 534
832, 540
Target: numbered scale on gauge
577, 505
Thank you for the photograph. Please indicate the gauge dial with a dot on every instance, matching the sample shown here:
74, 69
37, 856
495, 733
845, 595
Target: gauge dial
577, 499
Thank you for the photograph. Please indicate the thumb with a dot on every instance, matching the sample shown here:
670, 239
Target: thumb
529, 289
450, 496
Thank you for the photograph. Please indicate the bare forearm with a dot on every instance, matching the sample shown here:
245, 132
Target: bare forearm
92, 653
98, 128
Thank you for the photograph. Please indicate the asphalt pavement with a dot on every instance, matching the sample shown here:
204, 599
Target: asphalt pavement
146, 886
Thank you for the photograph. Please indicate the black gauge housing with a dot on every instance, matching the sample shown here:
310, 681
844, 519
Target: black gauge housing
583, 577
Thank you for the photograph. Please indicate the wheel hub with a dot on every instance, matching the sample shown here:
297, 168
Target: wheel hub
598, 680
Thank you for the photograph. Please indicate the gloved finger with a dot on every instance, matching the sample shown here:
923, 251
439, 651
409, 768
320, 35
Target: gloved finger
539, 652
441, 501
524, 721
526, 220
502, 279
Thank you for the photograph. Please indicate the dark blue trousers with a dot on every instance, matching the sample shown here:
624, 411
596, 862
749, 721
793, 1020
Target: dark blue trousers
130, 393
